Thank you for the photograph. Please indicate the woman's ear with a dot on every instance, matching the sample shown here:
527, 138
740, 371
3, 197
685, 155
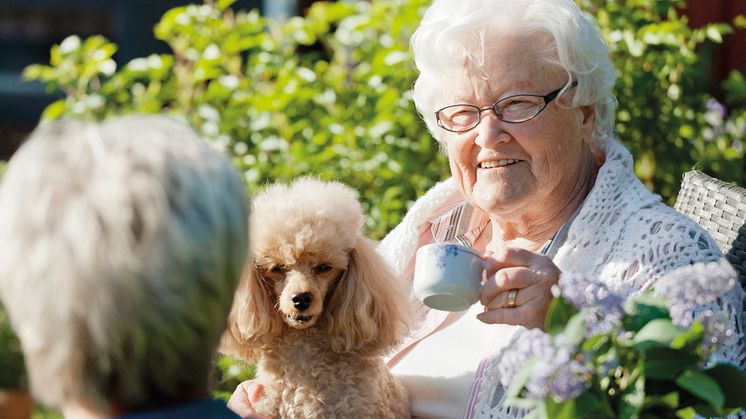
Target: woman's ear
588, 113
253, 318
369, 309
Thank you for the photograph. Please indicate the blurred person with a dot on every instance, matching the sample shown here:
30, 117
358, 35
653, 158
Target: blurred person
518, 94
121, 245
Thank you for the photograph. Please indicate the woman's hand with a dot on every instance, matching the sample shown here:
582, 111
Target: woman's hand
531, 274
242, 398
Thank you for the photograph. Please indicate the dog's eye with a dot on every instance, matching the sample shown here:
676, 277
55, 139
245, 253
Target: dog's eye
279, 269
322, 268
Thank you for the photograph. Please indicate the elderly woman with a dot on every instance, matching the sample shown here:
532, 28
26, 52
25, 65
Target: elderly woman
121, 244
518, 94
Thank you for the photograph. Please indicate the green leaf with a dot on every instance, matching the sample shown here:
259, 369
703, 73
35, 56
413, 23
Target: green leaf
740, 22
520, 379
54, 110
657, 332
563, 410
714, 34
596, 343
641, 310
586, 404
686, 413
690, 339
558, 315
702, 386
732, 381
575, 330
632, 401
669, 400
224, 4
666, 363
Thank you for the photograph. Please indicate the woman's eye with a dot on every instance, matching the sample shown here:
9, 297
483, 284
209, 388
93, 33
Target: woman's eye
462, 118
279, 269
322, 268
519, 104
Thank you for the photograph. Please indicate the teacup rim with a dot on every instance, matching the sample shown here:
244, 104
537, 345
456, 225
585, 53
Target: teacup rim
458, 246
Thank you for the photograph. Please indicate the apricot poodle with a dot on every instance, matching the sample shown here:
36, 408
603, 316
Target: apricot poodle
317, 308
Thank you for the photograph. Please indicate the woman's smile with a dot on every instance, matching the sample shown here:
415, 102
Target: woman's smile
497, 163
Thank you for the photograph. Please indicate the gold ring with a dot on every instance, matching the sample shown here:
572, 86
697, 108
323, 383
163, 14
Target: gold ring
512, 294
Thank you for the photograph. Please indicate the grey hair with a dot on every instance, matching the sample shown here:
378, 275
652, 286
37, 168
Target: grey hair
451, 37
121, 245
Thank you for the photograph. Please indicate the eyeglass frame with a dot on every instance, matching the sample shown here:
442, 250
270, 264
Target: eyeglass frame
548, 98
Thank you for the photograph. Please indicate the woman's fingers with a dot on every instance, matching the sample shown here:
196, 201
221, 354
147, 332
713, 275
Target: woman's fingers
514, 257
515, 316
520, 297
246, 393
507, 279
518, 288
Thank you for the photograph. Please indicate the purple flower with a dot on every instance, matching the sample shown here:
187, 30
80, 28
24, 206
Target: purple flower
717, 330
694, 286
694, 293
716, 107
532, 342
737, 145
605, 308
569, 380
555, 372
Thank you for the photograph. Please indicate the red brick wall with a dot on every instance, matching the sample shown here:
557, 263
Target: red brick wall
732, 53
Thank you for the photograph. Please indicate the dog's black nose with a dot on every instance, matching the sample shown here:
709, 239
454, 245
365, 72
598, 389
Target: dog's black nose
302, 300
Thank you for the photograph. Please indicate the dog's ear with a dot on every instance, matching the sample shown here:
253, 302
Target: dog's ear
253, 318
369, 309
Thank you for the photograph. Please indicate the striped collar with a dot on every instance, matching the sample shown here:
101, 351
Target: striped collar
462, 223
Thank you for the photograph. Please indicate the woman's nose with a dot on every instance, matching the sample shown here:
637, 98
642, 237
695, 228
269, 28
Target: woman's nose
490, 130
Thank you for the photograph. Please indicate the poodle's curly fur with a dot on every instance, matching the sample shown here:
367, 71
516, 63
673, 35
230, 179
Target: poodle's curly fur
317, 308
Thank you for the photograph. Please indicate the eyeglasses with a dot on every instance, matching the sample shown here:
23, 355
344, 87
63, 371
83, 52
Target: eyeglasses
514, 109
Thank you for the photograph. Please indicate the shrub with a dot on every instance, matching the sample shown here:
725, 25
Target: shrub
662, 92
329, 94
12, 370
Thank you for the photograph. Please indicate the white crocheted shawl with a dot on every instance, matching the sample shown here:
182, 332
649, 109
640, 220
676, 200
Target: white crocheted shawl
623, 235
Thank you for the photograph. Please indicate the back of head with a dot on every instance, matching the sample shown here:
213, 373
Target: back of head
453, 37
121, 244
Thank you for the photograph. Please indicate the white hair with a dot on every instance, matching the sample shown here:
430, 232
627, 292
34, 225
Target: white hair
121, 244
451, 37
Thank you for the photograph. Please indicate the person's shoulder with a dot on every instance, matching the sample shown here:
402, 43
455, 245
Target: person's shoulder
202, 409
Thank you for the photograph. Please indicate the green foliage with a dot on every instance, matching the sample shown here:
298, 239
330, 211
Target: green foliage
644, 365
228, 374
12, 369
329, 94
665, 114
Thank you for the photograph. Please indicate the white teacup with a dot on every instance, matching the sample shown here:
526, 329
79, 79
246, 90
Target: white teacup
447, 276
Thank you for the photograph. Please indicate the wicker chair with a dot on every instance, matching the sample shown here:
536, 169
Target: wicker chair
720, 208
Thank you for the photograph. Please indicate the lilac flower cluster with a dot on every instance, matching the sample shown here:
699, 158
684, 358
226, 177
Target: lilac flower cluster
694, 287
557, 372
692, 292
605, 308
532, 342
722, 125
718, 332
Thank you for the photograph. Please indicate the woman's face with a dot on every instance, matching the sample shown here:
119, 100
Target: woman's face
528, 169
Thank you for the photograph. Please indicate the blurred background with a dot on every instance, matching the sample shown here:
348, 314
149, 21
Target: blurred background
28, 28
